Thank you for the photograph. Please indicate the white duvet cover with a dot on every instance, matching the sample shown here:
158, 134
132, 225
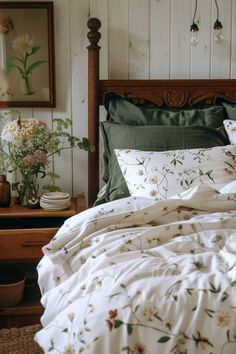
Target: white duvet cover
137, 276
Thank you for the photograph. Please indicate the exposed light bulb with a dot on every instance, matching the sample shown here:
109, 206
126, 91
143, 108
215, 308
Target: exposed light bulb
218, 36
194, 38
218, 32
194, 34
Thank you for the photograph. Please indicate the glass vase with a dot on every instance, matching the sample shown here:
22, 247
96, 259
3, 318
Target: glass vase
26, 85
5, 192
27, 191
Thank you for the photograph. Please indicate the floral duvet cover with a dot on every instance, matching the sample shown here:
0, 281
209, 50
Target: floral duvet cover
135, 276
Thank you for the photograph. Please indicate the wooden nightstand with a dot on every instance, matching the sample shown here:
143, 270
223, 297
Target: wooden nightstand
23, 233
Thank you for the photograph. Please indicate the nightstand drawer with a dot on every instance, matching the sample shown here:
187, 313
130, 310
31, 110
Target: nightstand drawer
24, 244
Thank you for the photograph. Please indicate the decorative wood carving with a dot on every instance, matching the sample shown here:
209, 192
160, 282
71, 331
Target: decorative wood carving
93, 35
171, 93
176, 99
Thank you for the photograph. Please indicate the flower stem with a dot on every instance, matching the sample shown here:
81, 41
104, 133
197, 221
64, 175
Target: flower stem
27, 86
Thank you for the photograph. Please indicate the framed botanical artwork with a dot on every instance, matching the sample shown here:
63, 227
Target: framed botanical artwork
27, 74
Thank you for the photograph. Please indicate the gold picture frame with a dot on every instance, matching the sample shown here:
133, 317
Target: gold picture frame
27, 68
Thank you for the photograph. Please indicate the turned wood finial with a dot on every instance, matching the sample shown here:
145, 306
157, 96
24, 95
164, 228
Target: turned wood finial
93, 35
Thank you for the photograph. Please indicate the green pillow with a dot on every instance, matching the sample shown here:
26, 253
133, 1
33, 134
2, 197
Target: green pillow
148, 138
229, 105
121, 110
230, 109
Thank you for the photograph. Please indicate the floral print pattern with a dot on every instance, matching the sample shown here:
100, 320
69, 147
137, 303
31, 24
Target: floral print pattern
135, 276
6, 93
230, 127
161, 175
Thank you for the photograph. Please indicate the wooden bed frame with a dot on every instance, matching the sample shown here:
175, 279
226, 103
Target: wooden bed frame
166, 93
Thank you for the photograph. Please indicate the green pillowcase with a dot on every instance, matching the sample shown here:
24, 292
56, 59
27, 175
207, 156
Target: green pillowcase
231, 110
229, 105
121, 110
148, 138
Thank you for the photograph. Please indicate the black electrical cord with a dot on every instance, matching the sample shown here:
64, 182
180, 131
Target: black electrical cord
195, 11
194, 26
217, 24
217, 10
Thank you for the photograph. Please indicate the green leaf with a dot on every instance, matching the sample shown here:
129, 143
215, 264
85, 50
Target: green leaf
190, 290
34, 50
51, 188
53, 175
163, 339
208, 174
118, 323
52, 346
209, 312
229, 164
232, 267
224, 297
115, 294
10, 65
214, 289
129, 329
34, 66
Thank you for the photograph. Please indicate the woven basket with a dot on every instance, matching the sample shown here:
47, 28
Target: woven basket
19, 340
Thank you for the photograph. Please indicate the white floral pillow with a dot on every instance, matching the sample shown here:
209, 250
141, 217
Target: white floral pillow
161, 175
230, 127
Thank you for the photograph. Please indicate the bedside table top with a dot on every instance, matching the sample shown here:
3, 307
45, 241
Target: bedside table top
19, 211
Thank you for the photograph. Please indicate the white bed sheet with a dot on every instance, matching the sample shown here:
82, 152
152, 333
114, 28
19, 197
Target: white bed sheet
136, 276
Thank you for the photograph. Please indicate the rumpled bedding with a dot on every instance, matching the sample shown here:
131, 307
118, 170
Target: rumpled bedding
135, 276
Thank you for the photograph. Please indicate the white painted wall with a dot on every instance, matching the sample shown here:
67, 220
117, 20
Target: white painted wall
140, 39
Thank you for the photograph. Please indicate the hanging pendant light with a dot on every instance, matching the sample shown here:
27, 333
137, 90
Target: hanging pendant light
218, 28
194, 30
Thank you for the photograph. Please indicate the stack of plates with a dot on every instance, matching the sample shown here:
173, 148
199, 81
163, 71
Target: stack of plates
55, 201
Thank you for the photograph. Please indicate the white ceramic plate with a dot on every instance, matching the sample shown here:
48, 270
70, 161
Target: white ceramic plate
56, 195
56, 201
54, 206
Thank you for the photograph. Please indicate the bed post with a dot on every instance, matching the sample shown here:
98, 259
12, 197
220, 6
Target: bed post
93, 108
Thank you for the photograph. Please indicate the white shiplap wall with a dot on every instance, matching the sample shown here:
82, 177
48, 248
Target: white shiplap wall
140, 39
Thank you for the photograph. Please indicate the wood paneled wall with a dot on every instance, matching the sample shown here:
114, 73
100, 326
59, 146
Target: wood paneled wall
140, 39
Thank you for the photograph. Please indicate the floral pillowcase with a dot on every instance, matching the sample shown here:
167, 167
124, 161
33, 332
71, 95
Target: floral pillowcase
230, 127
161, 175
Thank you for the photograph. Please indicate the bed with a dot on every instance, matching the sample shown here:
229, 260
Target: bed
151, 267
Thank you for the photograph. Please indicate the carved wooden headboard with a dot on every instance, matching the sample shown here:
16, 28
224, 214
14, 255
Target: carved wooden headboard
167, 93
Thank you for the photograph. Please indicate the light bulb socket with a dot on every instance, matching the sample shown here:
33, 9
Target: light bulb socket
217, 25
194, 27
